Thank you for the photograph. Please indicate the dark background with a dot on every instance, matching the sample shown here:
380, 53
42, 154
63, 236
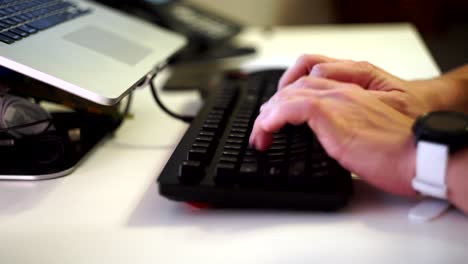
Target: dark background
443, 24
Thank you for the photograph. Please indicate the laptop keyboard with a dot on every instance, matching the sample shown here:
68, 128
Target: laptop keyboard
214, 164
19, 19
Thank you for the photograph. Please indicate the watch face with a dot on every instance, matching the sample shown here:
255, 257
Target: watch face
444, 127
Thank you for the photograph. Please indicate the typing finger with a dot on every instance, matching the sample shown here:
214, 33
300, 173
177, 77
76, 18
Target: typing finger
302, 67
305, 83
312, 82
292, 110
361, 73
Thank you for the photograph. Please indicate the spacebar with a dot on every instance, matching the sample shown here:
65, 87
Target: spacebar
49, 21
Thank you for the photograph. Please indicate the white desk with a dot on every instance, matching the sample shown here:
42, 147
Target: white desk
109, 211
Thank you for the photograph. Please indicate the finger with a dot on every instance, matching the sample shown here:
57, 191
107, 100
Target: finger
301, 86
302, 67
361, 73
311, 82
297, 101
307, 82
295, 111
257, 135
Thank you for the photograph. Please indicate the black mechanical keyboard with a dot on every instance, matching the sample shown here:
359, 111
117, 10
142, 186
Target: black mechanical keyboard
21, 18
214, 164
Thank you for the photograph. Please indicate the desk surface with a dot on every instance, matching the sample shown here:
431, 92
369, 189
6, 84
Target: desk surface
109, 211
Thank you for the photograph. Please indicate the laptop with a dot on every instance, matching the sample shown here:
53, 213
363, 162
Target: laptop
82, 47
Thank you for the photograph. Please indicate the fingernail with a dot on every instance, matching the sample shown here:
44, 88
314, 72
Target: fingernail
316, 71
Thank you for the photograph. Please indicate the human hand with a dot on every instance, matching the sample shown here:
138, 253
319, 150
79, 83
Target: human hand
411, 98
365, 135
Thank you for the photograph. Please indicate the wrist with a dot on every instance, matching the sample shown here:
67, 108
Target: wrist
429, 92
454, 85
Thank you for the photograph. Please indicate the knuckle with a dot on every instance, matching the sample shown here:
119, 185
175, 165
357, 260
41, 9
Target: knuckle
352, 87
307, 57
280, 96
303, 58
348, 91
365, 66
301, 82
304, 82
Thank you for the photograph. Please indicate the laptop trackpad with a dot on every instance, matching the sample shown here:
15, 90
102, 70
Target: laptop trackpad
109, 44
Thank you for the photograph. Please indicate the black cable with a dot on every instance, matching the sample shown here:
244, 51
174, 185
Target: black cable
184, 118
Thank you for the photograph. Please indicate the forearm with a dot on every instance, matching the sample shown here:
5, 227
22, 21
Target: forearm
446, 92
457, 180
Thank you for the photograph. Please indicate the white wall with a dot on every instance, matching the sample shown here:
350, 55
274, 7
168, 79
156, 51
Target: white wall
273, 12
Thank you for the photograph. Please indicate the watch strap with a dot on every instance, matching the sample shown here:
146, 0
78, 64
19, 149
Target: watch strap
431, 168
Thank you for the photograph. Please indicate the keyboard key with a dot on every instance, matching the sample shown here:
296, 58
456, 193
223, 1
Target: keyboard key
19, 32
198, 154
3, 26
49, 21
17, 19
234, 141
190, 171
229, 159
237, 147
8, 22
297, 169
204, 139
240, 125
238, 135
210, 127
207, 133
30, 30
277, 155
6, 39
239, 130
231, 153
201, 145
249, 174
11, 35
213, 121
275, 170
226, 173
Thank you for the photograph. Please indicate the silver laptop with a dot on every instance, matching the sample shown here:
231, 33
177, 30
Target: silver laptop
81, 47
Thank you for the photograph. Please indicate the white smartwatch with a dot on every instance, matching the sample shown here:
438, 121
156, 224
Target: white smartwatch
438, 134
